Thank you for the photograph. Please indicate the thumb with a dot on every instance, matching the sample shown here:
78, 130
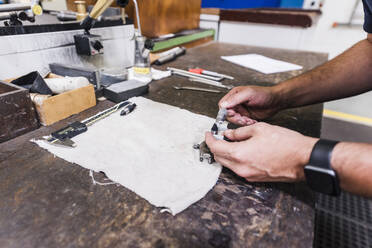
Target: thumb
240, 134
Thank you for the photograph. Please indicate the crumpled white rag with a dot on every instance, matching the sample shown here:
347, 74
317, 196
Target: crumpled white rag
150, 151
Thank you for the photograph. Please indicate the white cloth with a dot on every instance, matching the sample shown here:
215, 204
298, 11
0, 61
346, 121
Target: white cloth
261, 63
155, 75
64, 84
150, 151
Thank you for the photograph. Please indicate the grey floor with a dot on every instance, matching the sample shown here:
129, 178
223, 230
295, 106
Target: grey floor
345, 131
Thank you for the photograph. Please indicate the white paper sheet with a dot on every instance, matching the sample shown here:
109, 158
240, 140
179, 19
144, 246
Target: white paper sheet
261, 63
148, 151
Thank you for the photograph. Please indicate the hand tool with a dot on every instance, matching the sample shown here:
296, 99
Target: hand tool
210, 82
210, 73
196, 89
192, 74
196, 77
63, 136
219, 126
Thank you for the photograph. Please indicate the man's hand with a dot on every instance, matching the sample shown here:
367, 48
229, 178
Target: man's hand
246, 104
263, 153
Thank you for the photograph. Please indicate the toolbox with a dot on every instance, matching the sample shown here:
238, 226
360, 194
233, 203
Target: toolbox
17, 114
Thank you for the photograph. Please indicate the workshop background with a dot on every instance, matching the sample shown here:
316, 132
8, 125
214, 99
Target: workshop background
328, 27
337, 28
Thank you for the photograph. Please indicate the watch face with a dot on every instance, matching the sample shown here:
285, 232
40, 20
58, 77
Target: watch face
322, 180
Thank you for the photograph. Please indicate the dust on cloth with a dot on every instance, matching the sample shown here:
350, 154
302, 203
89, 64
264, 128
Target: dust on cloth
149, 151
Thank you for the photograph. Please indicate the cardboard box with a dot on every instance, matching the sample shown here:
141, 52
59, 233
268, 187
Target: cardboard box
61, 106
17, 113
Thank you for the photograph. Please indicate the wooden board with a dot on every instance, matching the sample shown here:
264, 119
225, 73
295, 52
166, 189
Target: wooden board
159, 17
61, 106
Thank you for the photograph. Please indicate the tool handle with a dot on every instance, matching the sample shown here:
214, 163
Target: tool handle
70, 131
128, 109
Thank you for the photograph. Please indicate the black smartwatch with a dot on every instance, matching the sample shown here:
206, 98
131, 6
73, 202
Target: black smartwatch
319, 173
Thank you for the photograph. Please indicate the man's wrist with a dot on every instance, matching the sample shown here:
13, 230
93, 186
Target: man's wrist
282, 95
305, 153
338, 159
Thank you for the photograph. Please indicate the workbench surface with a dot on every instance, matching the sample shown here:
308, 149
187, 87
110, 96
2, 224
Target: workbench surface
48, 202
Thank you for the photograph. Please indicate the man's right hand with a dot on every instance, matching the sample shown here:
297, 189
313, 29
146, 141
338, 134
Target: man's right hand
246, 104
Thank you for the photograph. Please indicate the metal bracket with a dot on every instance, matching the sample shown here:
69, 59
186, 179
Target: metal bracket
204, 152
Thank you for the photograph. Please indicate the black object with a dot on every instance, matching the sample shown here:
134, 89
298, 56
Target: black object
15, 19
88, 44
119, 92
34, 82
58, 27
70, 131
128, 109
319, 173
149, 44
122, 3
87, 23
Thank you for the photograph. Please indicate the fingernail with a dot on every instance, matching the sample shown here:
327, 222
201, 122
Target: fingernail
223, 104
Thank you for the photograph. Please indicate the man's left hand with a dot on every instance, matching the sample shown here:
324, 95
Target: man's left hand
263, 152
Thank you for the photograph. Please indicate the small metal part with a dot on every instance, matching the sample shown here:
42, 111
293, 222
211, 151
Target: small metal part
215, 74
217, 130
204, 152
220, 124
64, 143
196, 89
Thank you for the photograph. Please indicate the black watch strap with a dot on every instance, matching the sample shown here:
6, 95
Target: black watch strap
319, 173
322, 153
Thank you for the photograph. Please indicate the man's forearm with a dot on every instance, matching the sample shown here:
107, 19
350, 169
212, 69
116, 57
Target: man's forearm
346, 75
352, 162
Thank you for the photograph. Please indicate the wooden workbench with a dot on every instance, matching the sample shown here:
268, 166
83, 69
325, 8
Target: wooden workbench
48, 202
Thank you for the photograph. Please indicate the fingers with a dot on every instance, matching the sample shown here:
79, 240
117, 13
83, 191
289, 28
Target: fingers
237, 118
236, 96
240, 134
217, 147
241, 120
231, 112
241, 110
